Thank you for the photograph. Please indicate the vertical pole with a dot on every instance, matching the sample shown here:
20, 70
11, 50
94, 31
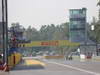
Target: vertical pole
3, 27
5, 31
96, 46
96, 35
6, 9
96, 49
85, 35
85, 39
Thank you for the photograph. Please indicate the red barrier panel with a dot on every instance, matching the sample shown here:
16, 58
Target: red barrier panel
14, 60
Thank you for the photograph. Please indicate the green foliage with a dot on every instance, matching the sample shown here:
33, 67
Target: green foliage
32, 34
95, 34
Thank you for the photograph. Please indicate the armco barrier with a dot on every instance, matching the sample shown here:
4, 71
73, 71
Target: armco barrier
54, 57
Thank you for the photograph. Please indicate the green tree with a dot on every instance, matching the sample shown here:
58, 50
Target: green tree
32, 34
94, 34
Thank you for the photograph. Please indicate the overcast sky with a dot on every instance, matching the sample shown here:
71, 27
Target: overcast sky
41, 12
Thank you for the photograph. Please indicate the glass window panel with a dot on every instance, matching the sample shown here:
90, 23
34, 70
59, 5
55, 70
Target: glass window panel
75, 12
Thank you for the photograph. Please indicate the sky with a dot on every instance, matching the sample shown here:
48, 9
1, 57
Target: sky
36, 13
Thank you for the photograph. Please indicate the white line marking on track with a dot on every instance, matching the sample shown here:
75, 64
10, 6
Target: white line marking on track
75, 68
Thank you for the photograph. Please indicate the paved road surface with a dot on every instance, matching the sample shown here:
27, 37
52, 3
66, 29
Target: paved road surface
88, 65
4, 73
56, 67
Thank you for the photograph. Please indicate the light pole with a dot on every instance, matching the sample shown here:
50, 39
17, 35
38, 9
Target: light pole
96, 42
86, 38
5, 30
